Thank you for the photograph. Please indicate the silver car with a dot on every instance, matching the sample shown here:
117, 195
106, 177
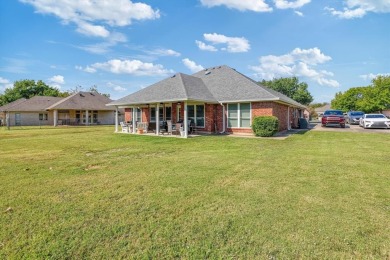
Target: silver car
353, 117
374, 121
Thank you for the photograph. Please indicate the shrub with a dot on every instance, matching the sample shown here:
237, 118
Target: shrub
265, 126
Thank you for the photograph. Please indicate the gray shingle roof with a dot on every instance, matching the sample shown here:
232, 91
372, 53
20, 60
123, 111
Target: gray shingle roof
228, 85
218, 84
179, 87
83, 101
37, 103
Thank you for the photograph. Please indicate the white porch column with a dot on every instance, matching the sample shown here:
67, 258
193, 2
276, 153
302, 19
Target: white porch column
116, 119
185, 120
7, 120
157, 118
288, 119
55, 117
133, 111
86, 117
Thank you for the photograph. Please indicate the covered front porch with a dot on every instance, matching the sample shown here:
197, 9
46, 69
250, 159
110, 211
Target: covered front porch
179, 118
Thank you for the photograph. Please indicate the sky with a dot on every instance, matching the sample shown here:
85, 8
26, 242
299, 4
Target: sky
123, 46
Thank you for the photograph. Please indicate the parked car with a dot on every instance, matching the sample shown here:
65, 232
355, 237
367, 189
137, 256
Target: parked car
333, 117
374, 121
353, 117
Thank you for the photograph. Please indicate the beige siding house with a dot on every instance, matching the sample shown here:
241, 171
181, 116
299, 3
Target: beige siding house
81, 108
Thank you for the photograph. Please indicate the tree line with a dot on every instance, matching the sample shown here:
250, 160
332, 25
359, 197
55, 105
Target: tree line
372, 98
28, 88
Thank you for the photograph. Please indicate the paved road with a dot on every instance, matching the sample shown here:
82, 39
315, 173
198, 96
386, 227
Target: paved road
348, 128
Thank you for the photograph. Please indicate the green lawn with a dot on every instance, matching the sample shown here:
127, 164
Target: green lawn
89, 193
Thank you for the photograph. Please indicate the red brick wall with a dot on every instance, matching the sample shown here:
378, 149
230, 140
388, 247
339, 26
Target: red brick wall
145, 115
128, 114
214, 116
281, 111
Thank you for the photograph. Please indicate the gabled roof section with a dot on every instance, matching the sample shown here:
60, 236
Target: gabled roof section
220, 84
228, 85
179, 87
82, 101
9, 106
34, 104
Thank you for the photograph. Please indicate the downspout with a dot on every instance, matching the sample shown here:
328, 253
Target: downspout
223, 119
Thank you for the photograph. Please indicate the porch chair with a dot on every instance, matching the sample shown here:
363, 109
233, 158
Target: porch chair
169, 127
125, 128
176, 131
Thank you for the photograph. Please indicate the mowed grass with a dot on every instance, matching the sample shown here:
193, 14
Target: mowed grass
87, 193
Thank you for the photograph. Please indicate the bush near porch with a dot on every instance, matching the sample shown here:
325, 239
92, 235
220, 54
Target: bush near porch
103, 195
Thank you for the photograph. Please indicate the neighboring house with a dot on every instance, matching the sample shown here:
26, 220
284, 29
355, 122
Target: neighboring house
218, 99
72, 110
320, 110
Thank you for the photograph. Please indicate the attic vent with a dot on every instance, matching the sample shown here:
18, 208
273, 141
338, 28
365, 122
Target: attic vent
173, 76
207, 72
92, 94
81, 95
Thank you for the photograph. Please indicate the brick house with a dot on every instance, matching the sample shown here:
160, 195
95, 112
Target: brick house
81, 108
216, 100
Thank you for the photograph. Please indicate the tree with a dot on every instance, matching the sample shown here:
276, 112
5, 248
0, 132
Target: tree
373, 98
27, 89
93, 88
291, 88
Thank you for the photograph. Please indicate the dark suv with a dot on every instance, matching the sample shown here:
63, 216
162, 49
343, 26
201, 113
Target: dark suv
353, 117
333, 117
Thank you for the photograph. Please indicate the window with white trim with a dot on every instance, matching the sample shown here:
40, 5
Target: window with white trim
239, 115
161, 115
196, 115
138, 115
43, 117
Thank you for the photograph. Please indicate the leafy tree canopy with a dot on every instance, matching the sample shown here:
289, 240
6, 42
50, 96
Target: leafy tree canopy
290, 87
27, 89
373, 98
94, 88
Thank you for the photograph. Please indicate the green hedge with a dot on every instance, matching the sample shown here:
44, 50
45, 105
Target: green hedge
265, 126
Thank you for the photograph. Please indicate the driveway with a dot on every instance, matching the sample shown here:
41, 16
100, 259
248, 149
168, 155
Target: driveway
348, 128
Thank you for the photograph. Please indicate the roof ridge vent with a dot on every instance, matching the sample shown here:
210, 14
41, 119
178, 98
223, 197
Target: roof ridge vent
207, 72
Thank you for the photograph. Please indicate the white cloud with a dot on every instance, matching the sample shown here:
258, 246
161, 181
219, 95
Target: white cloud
191, 65
298, 13
299, 62
164, 52
86, 69
133, 67
56, 81
233, 44
359, 8
5, 83
372, 76
116, 88
85, 14
283, 4
242, 5
204, 47
104, 47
